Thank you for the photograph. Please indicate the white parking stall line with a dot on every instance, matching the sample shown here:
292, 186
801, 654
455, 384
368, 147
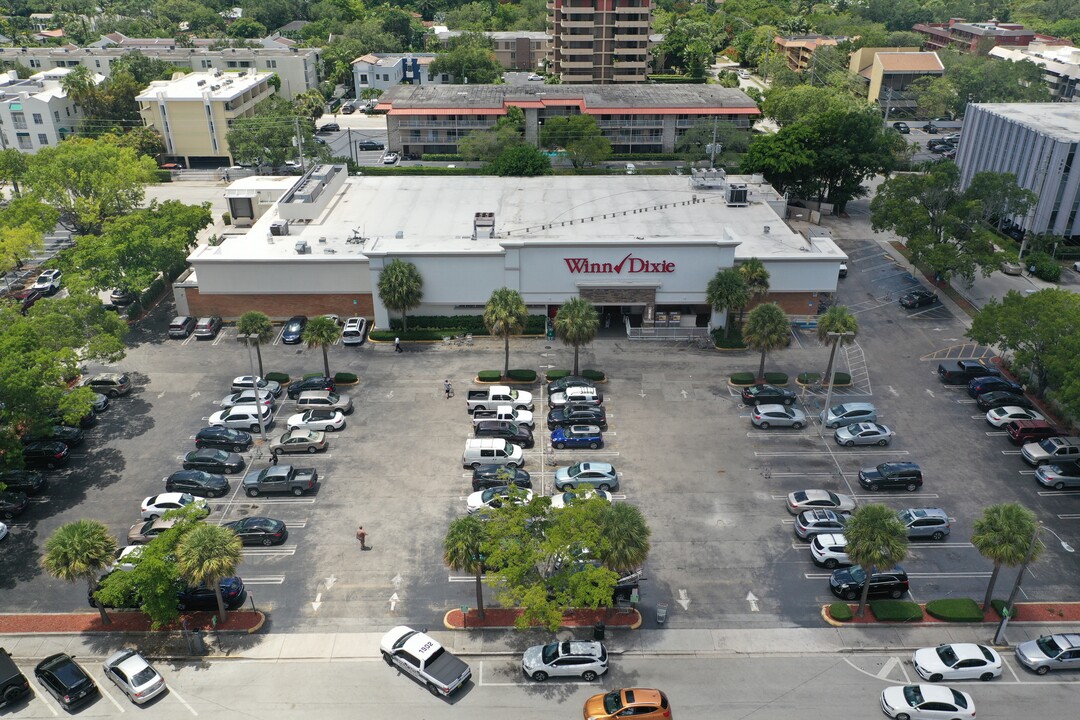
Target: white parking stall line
77, 456
296, 525
1010, 452
172, 691
269, 580
789, 521
817, 576
965, 401
188, 339
283, 550
1067, 516
802, 474
592, 453
921, 312
105, 692
942, 545
929, 576
882, 496
40, 499
1025, 472
17, 525
219, 338
463, 578
262, 500
800, 546
995, 433
1009, 667
870, 450
40, 697
978, 417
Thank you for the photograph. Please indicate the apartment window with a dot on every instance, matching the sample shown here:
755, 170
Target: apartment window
56, 115
206, 65
24, 141
18, 119
231, 64
37, 118
271, 63
363, 78
42, 139
97, 63
35, 63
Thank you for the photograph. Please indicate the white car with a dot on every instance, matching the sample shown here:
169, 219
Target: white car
960, 661
354, 332
533, 77
494, 497
586, 660
390, 158
136, 677
245, 382
829, 550
744, 74
3, 531
819, 500
247, 397
568, 498
926, 702
325, 419
1002, 416
127, 558
155, 506
48, 282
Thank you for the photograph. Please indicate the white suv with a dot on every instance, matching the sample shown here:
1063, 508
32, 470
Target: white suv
243, 417
829, 550
48, 282
354, 332
586, 660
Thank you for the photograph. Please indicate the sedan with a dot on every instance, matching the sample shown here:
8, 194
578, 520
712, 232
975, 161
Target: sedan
198, 483
926, 702
918, 298
294, 330
863, 434
3, 531
569, 498
329, 128
65, 680
214, 461
577, 436
819, 499
762, 394
137, 678
259, 530
233, 594
586, 660
246, 382
901, 127
12, 504
325, 419
155, 506
309, 441
70, 436
390, 158
489, 476
223, 438
48, 454
1059, 475
1002, 416
600, 475
494, 498
247, 397
1000, 398
766, 416
30, 482
962, 661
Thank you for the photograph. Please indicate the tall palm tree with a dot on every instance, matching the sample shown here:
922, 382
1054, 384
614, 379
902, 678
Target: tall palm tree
208, 554
258, 324
757, 280
767, 328
321, 332
1002, 534
505, 315
462, 551
576, 323
401, 288
837, 319
624, 528
80, 550
310, 103
727, 291
876, 539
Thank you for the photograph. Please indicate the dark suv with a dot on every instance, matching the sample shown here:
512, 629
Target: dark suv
577, 415
223, 438
24, 481
982, 385
847, 583
312, 383
511, 432
13, 684
489, 476
892, 476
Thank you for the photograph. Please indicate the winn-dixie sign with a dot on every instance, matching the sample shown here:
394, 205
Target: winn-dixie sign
630, 264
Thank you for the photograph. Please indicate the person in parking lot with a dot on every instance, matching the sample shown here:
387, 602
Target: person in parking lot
449, 389
361, 535
273, 458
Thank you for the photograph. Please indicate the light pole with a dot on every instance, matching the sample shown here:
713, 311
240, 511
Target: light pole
837, 337
248, 339
999, 636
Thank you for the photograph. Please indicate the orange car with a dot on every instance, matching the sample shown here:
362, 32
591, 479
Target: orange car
628, 702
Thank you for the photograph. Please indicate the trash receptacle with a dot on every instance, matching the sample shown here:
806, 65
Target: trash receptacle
551, 332
598, 631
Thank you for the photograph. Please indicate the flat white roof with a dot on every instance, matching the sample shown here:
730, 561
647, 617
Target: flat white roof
196, 86
1060, 121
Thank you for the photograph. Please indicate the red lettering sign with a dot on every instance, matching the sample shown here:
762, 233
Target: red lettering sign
632, 265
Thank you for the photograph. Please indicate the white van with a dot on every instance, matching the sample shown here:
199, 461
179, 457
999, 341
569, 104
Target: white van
631, 169
491, 451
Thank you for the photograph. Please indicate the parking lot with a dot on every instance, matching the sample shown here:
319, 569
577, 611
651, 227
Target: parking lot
712, 486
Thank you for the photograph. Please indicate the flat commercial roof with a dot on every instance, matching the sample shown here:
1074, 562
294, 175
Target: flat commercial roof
1060, 121
196, 85
615, 98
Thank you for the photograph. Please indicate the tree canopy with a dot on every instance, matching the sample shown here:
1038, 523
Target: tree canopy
469, 60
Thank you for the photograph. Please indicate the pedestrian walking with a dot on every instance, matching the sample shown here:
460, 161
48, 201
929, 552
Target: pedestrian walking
273, 458
449, 389
397, 345
361, 535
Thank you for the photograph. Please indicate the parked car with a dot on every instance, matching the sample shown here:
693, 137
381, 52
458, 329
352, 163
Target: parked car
493, 498
586, 660
243, 417
892, 476
815, 522
48, 282
247, 382
65, 680
926, 702
247, 397
3, 534
1011, 267
121, 298
577, 414
146, 530
569, 381
213, 460
863, 433
959, 661
1002, 416
766, 416
1050, 652
628, 702
930, 523
762, 394
27, 299
370, 145
86, 421
1059, 476
207, 328
326, 400
329, 128
848, 413
111, 384
991, 383
354, 332
577, 436
320, 382
842, 271
489, 476
70, 436
100, 403
223, 438
202, 597
49, 454
989, 401
819, 499
1051, 450
30, 482
309, 441
917, 298
1021, 432
293, 331
325, 419
155, 506
181, 327
901, 127
599, 475
561, 500
259, 530
847, 583
13, 504
829, 550
349, 109
13, 684
390, 158
197, 482
509, 431
576, 395
135, 677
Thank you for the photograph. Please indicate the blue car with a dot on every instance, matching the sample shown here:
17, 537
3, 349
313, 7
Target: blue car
294, 330
577, 436
982, 385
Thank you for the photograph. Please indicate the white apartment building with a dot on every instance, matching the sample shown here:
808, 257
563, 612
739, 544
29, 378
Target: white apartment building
381, 71
36, 112
1060, 65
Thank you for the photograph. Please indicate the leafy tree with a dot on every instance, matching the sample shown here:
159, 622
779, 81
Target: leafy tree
576, 324
469, 59
322, 332
13, 166
521, 161
487, 145
579, 136
80, 550
694, 143
689, 42
463, 551
208, 554
727, 291
142, 68
143, 140
401, 288
246, 28
258, 324
785, 157
791, 105
876, 540
837, 319
1002, 534
728, 79
767, 328
505, 315
472, 17
310, 104
1001, 196
267, 136
23, 224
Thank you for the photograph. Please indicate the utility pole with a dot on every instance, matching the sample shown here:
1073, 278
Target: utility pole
299, 143
836, 338
712, 149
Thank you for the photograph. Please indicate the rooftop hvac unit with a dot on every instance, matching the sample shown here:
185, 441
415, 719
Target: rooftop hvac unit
302, 247
279, 227
737, 194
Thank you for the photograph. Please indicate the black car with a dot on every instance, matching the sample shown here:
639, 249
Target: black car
1000, 398
901, 127
259, 530
320, 382
23, 481
293, 332
930, 128
86, 421
72, 437
13, 684
892, 476
982, 385
918, 298
214, 461
12, 504
762, 394
329, 128
45, 453
369, 145
577, 415
198, 483
223, 438
489, 476
202, 598
509, 431
567, 382
65, 680
847, 583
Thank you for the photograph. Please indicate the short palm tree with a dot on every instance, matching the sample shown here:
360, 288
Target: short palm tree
80, 550
757, 280
767, 328
462, 552
576, 323
321, 332
623, 527
876, 539
258, 328
505, 315
837, 319
208, 554
1002, 534
401, 288
727, 291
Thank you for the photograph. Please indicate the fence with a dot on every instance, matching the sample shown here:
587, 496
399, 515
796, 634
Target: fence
675, 333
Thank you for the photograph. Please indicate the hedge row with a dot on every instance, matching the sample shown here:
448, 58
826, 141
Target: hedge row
955, 610
345, 378
278, 377
742, 378
896, 610
419, 170
775, 378
443, 157
462, 324
489, 375
677, 80
594, 375
840, 611
808, 378
527, 376
735, 342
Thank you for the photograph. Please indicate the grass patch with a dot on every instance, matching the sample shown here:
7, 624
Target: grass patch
735, 342
777, 379
999, 607
525, 376
594, 375
896, 610
840, 611
489, 375
277, 377
955, 610
553, 375
345, 378
808, 378
742, 378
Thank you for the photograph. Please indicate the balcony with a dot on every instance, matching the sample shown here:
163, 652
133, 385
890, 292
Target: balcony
572, 24
577, 64
588, 51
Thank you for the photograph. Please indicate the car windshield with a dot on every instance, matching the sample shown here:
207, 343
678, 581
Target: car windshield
514, 394
857, 574
913, 695
143, 676
612, 702
947, 655
958, 698
1048, 445
839, 410
834, 498
574, 470
1048, 645
549, 653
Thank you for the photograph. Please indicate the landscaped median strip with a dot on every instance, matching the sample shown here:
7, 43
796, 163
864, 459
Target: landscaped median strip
1043, 613
503, 618
239, 621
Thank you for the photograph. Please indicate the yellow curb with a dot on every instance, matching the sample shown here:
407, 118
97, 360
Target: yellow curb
262, 621
640, 620
828, 618
446, 621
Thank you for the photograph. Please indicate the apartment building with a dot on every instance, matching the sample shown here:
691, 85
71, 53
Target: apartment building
515, 50
892, 73
380, 71
1060, 65
599, 41
798, 50
979, 37
36, 112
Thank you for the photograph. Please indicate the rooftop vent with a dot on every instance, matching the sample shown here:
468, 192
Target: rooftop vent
737, 195
302, 247
483, 225
279, 227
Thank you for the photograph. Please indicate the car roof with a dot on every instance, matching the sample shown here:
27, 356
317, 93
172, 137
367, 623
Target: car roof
831, 539
775, 408
937, 693
597, 466
164, 497
927, 512
1067, 640
818, 514
642, 696
849, 406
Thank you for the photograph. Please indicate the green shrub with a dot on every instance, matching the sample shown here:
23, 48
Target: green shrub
443, 157
278, 377
840, 378
413, 335
1046, 268
776, 378
525, 376
999, 607
311, 375
345, 378
840, 611
896, 610
443, 325
955, 610
134, 309
594, 375
742, 378
226, 218
553, 375
735, 342
489, 375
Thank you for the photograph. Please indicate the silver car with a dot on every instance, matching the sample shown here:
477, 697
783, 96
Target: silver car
863, 433
1051, 652
586, 660
1059, 476
136, 677
766, 416
247, 397
324, 399
848, 414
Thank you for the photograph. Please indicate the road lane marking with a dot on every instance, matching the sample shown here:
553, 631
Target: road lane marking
106, 693
172, 691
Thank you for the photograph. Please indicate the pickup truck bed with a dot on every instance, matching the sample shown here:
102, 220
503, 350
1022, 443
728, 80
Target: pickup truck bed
961, 372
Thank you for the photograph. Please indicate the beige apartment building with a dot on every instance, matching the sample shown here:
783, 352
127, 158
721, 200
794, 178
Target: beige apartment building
798, 50
599, 41
193, 112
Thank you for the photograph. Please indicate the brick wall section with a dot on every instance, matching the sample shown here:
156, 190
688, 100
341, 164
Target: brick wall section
280, 306
801, 303
619, 296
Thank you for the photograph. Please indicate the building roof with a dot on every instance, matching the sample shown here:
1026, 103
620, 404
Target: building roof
43, 86
294, 26
199, 85
1063, 60
809, 41
1060, 121
898, 62
391, 59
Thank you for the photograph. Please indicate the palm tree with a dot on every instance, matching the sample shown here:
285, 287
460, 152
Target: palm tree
310, 103
624, 528
321, 332
757, 280
837, 319
577, 323
727, 291
766, 329
80, 550
1002, 534
401, 288
206, 555
462, 551
876, 539
257, 324
505, 315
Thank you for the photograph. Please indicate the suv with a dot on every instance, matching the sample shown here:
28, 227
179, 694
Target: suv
892, 476
243, 417
829, 550
848, 414
13, 684
847, 583
354, 331
576, 415
110, 384
247, 382
208, 327
816, 522
1050, 652
989, 383
925, 522
23, 481
511, 432
181, 327
1053, 450
586, 660
369, 145
1025, 431
324, 399
320, 382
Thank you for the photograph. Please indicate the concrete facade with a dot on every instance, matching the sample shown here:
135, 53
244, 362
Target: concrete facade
515, 50
382, 71
979, 37
599, 41
1060, 66
36, 113
892, 73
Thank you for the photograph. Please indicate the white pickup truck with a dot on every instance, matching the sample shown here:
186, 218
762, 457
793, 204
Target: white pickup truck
495, 395
420, 656
505, 412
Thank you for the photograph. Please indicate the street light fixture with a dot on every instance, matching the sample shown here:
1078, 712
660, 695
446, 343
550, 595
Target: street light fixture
999, 636
255, 382
837, 337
